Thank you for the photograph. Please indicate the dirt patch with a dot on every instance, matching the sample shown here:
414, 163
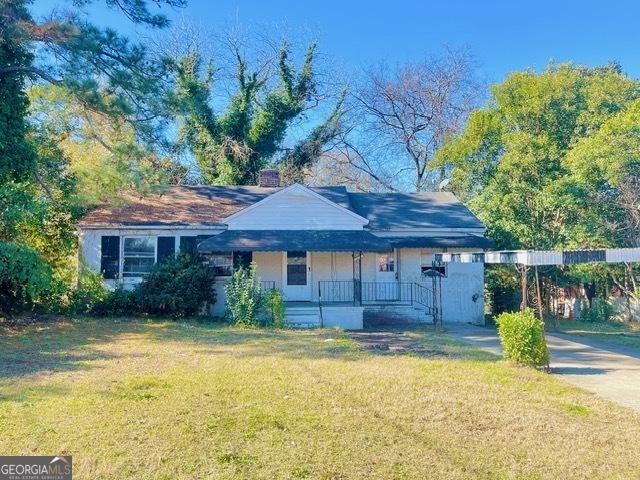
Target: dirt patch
390, 343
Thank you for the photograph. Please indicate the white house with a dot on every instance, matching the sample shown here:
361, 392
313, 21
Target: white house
336, 255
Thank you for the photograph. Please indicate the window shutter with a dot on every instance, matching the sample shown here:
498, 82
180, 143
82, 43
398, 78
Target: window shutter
188, 245
166, 247
110, 256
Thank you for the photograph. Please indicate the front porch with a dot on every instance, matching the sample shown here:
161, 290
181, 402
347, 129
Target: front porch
326, 278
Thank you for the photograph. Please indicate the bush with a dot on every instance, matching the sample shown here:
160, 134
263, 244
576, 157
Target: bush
274, 305
243, 296
118, 303
89, 294
502, 285
522, 338
24, 277
180, 286
599, 312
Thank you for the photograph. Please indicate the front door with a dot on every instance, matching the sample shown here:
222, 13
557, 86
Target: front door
386, 281
296, 284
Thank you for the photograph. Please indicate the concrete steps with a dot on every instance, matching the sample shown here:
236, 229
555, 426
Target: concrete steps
395, 315
302, 317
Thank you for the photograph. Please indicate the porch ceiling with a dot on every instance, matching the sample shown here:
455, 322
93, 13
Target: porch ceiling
295, 240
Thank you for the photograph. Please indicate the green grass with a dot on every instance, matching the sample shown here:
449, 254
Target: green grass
618, 333
163, 400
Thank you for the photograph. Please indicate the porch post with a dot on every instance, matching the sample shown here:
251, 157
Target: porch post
353, 275
360, 277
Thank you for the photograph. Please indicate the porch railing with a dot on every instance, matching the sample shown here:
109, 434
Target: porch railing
397, 293
267, 285
340, 291
380, 293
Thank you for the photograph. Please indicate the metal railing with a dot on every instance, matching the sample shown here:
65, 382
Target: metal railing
397, 293
338, 291
381, 293
267, 285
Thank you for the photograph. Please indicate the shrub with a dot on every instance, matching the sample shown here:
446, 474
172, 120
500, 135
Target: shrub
179, 286
522, 338
89, 294
599, 312
274, 304
243, 296
118, 302
502, 285
24, 277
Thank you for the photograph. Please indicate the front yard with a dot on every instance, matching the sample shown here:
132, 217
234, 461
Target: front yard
618, 333
147, 400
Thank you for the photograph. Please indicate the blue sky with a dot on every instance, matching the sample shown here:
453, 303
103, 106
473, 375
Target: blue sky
503, 36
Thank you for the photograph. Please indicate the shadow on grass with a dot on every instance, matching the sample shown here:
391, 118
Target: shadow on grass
417, 340
62, 344
75, 344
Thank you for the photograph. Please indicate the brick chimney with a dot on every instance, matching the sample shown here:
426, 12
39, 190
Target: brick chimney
269, 177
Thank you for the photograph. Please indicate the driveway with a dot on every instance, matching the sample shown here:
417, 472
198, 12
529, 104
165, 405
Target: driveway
612, 372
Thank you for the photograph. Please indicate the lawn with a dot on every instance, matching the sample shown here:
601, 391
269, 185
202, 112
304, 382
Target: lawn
619, 333
158, 399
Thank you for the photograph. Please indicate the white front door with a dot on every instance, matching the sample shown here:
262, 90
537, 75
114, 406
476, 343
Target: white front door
296, 284
387, 287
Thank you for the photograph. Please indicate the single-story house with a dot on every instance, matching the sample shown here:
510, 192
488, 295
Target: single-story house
336, 255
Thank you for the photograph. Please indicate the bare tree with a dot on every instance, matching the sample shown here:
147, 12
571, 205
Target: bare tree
404, 115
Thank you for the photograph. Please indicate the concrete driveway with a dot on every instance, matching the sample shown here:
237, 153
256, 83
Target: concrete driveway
611, 371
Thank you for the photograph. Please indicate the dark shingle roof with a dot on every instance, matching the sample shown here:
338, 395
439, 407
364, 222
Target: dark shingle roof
192, 205
210, 205
388, 211
459, 241
302, 240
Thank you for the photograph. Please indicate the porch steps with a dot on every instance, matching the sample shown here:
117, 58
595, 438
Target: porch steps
302, 317
395, 315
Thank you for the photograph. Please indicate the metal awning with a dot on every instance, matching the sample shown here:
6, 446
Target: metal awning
461, 241
294, 240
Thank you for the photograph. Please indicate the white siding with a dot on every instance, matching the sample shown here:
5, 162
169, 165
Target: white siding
463, 293
295, 209
90, 242
269, 266
464, 283
329, 266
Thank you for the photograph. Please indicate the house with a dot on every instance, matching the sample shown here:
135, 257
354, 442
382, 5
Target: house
336, 255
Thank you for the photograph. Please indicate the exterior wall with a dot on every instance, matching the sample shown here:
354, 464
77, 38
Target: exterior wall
349, 318
295, 209
463, 293
219, 308
90, 243
269, 266
329, 266
462, 289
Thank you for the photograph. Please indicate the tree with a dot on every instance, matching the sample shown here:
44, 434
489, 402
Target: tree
99, 69
103, 152
550, 161
407, 113
510, 162
605, 168
232, 147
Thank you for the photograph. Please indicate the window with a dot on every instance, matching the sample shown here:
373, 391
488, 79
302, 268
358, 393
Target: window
386, 262
296, 268
222, 264
242, 259
139, 255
